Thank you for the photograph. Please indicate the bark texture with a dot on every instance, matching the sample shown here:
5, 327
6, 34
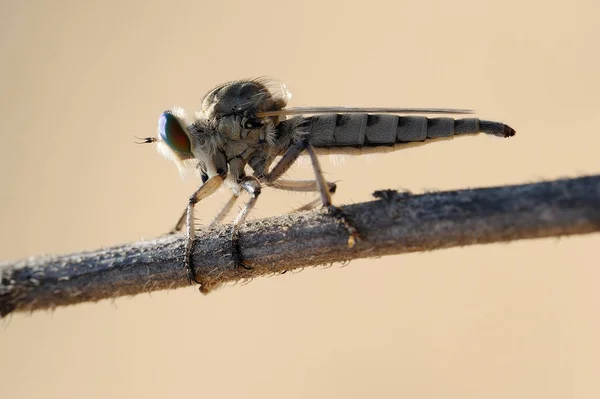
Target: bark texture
392, 224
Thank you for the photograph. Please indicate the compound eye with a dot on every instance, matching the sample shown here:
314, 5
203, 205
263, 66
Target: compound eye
173, 134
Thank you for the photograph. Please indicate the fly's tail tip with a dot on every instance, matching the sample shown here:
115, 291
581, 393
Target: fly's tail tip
509, 131
498, 129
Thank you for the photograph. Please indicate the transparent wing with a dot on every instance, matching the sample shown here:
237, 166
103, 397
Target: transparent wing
341, 110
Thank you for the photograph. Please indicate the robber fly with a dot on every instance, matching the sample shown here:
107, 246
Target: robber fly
246, 123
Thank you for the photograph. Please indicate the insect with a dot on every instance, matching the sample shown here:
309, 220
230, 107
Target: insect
245, 125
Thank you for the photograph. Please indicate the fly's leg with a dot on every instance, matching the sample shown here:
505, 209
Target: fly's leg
307, 207
353, 235
252, 186
225, 211
204, 191
302, 186
180, 223
286, 161
179, 226
321, 184
183, 218
236, 171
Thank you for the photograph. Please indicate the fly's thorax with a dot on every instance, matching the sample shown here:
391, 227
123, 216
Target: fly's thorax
235, 98
230, 110
217, 153
242, 97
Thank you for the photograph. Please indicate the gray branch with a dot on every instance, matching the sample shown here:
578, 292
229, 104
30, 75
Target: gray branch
394, 223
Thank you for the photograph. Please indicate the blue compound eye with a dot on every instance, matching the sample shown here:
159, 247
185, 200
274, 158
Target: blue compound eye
173, 134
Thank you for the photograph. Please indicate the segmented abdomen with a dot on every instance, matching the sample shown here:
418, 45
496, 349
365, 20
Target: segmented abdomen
365, 130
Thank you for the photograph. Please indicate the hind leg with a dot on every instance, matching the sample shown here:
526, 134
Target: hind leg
302, 186
322, 186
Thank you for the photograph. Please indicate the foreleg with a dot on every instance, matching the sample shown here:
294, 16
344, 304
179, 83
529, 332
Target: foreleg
203, 191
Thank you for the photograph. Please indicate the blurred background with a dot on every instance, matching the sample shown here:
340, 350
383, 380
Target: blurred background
78, 80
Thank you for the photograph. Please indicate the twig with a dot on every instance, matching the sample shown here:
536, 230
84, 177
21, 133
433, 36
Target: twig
395, 223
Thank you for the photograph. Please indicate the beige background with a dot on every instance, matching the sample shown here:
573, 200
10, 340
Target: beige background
519, 320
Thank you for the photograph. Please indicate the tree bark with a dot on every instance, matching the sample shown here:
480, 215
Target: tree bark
395, 223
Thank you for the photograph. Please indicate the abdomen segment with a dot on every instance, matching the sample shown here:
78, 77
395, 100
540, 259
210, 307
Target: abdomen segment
364, 130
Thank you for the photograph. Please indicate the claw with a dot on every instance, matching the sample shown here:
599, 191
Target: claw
351, 241
235, 255
187, 263
353, 234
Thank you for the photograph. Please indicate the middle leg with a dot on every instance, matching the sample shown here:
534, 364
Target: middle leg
252, 186
204, 191
225, 210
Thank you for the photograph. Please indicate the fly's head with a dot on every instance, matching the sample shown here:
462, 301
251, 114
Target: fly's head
174, 139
